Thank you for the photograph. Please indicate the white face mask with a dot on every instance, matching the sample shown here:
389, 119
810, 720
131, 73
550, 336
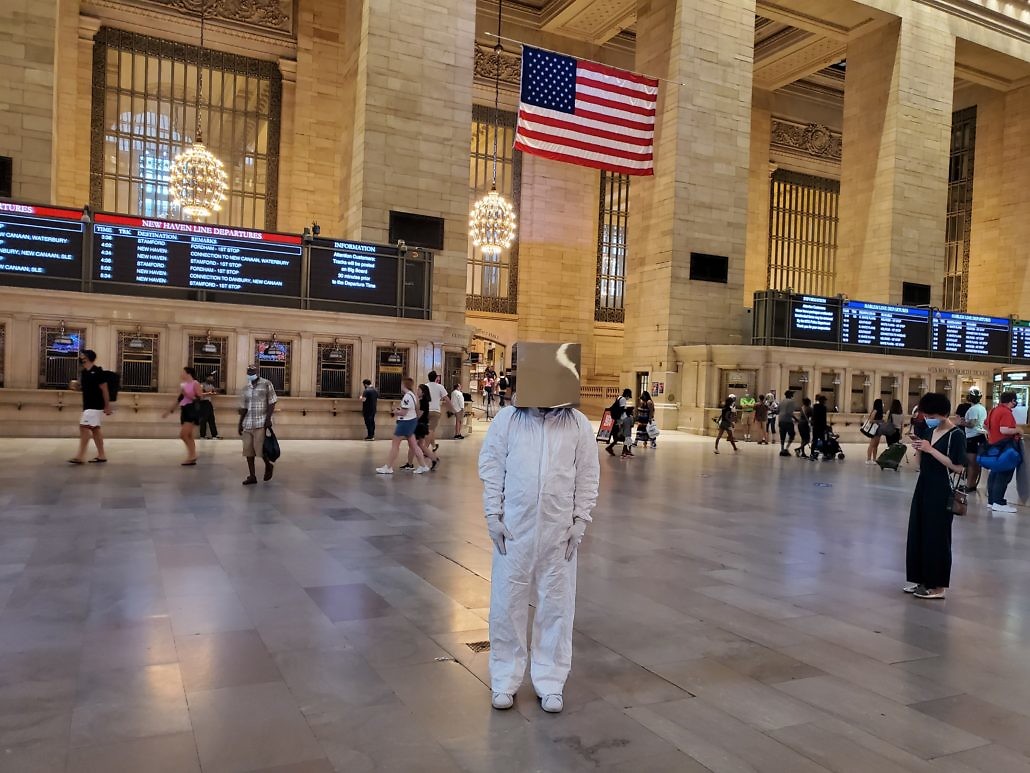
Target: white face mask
252, 377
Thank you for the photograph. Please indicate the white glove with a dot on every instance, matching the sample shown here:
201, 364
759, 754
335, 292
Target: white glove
574, 535
498, 533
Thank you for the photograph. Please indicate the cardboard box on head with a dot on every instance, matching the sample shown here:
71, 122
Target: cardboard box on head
547, 375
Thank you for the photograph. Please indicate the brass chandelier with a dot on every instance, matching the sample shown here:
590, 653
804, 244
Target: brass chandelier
197, 179
492, 219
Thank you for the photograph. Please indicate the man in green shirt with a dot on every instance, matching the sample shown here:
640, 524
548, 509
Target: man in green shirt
747, 413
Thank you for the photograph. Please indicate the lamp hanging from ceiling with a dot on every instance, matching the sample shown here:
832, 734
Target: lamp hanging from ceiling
492, 219
196, 178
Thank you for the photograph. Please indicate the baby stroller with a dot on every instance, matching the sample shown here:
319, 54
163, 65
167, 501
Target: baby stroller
829, 447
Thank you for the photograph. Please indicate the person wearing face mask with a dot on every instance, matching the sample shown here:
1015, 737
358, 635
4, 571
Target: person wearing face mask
539, 466
257, 404
940, 449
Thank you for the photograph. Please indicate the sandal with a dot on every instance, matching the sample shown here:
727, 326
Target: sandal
98, 460
75, 461
189, 464
250, 480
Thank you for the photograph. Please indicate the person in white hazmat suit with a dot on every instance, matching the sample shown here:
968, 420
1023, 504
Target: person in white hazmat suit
539, 466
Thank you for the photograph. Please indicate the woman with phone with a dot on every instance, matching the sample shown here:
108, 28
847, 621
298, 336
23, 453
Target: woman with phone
940, 449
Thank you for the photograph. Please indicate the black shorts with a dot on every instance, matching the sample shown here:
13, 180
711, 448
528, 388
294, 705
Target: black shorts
974, 443
188, 414
421, 431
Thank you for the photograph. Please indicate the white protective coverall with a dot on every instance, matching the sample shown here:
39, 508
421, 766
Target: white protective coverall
539, 471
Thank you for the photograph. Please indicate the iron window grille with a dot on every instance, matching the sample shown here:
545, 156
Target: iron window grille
59, 349
137, 361
144, 110
612, 224
803, 212
334, 369
391, 366
275, 370
492, 285
960, 209
207, 356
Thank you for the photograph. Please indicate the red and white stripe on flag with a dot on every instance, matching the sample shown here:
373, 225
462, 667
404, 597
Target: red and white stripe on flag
586, 113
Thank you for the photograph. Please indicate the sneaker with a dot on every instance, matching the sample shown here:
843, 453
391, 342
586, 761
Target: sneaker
552, 704
407, 467
434, 464
385, 470
926, 593
870, 461
1003, 508
784, 452
913, 587
502, 700
627, 453
369, 438
609, 450
420, 470
716, 450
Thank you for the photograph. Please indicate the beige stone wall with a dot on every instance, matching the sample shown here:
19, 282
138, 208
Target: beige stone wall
27, 94
897, 137
697, 200
999, 250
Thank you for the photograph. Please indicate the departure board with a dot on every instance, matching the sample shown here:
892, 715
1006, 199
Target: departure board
814, 319
354, 272
880, 326
969, 335
41, 242
195, 256
1020, 346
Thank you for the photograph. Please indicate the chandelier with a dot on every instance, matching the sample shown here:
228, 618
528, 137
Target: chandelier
196, 178
492, 219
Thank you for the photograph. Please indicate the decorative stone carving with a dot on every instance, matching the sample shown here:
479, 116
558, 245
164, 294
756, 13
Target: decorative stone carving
486, 65
271, 14
811, 139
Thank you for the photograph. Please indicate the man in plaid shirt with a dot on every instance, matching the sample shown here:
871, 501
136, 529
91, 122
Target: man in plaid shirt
257, 404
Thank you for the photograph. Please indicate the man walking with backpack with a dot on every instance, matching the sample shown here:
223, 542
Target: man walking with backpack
96, 403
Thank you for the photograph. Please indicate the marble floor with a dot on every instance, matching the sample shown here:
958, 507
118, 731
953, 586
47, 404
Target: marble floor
736, 613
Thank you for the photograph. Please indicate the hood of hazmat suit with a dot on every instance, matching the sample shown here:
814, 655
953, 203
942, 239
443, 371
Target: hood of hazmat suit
540, 471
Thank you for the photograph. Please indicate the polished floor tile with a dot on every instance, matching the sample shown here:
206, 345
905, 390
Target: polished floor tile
735, 614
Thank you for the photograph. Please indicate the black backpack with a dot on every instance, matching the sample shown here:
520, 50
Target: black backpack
114, 384
503, 383
617, 410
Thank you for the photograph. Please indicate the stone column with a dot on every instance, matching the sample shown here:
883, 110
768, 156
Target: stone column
697, 200
999, 248
894, 171
412, 118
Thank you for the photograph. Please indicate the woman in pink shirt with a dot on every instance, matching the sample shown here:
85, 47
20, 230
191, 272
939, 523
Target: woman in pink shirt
190, 392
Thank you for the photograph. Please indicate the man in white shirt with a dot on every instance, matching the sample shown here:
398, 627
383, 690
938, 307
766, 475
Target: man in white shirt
437, 398
458, 408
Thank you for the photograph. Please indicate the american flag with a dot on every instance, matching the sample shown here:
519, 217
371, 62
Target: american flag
586, 113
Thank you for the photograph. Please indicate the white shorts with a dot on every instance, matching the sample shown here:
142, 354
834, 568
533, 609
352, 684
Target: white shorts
91, 418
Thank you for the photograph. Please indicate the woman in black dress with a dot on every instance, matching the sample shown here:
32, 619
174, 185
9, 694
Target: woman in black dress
941, 450
876, 415
422, 428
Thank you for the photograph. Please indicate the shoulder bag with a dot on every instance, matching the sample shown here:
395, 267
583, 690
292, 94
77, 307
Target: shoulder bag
958, 501
870, 428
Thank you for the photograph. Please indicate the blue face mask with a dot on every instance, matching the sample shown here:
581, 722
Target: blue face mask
252, 377
933, 423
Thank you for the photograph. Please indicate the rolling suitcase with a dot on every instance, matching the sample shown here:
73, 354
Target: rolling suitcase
892, 458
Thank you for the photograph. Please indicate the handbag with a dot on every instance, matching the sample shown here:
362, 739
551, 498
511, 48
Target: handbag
652, 430
1002, 456
870, 428
958, 500
270, 447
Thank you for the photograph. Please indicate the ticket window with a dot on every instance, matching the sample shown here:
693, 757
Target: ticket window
274, 361
798, 381
452, 370
916, 387
830, 390
334, 369
207, 356
59, 356
943, 386
887, 390
391, 365
137, 361
860, 402
735, 382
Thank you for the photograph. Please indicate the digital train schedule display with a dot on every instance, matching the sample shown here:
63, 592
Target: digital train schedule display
195, 256
814, 319
878, 326
40, 242
970, 335
354, 272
